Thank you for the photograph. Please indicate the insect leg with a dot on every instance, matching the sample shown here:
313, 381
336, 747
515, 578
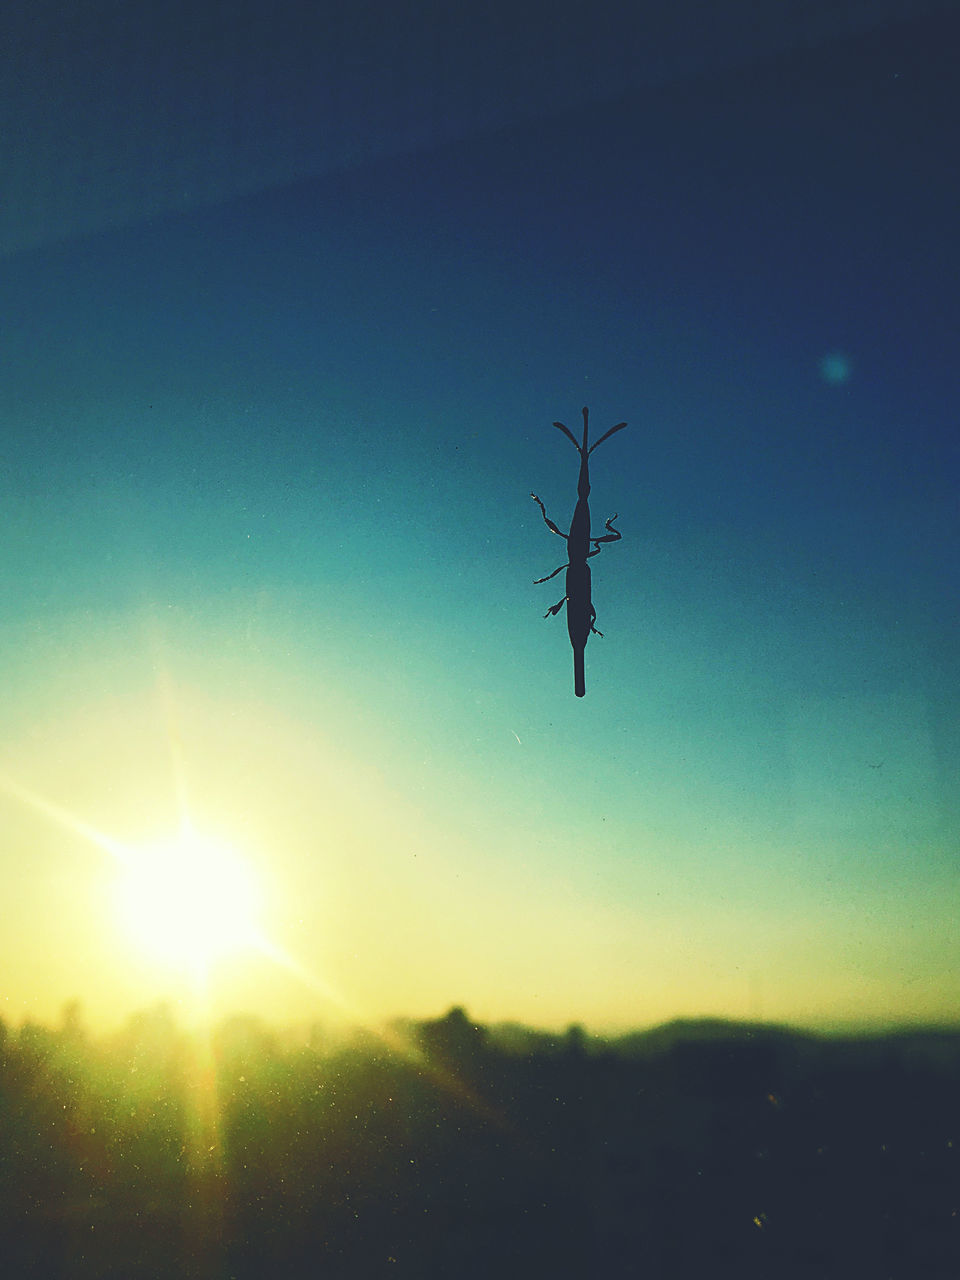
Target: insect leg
537, 581
555, 608
549, 523
612, 534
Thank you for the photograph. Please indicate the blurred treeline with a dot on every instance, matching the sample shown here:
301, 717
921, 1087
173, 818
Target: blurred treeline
446, 1149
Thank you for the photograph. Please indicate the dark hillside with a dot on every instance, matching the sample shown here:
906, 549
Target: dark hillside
697, 1149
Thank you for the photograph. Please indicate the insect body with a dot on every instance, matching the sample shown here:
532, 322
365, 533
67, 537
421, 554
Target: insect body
581, 614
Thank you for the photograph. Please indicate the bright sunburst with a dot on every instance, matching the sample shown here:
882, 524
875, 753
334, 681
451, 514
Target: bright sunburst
190, 901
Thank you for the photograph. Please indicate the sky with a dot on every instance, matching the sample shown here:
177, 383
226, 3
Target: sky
270, 554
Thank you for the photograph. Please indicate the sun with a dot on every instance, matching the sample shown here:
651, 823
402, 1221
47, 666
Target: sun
189, 901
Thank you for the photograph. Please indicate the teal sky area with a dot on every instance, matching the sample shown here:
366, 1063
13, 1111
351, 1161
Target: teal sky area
270, 551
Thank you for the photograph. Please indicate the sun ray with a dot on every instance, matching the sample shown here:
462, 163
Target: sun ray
63, 817
171, 724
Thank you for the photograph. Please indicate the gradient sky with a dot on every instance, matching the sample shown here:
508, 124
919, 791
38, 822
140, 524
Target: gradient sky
266, 467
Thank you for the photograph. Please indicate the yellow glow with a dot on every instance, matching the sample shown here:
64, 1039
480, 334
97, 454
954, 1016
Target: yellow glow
189, 901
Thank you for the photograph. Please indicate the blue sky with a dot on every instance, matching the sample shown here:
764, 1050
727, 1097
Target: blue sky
274, 456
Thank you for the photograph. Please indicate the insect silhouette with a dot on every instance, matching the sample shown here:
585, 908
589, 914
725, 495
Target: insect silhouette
581, 615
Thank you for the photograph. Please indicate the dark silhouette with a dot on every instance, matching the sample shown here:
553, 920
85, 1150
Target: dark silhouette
581, 615
702, 1148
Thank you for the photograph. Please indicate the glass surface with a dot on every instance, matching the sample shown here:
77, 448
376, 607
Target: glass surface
339, 935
